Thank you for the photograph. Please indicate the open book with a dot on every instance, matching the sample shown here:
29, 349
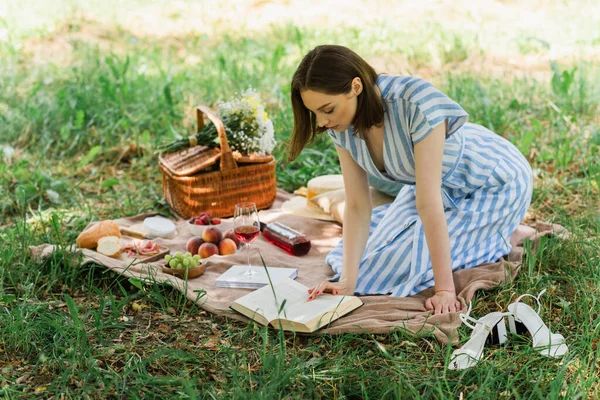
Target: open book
289, 310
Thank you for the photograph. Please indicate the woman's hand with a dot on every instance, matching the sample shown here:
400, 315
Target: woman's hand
341, 287
442, 302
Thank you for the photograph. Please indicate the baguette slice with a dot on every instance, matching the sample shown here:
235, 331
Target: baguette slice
109, 246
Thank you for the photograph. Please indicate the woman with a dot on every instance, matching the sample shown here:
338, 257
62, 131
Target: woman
462, 189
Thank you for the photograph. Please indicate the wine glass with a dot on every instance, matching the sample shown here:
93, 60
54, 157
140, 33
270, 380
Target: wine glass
246, 227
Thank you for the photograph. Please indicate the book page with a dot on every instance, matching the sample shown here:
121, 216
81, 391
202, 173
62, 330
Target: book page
263, 302
329, 307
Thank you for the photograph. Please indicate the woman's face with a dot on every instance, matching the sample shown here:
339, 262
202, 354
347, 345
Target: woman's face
332, 111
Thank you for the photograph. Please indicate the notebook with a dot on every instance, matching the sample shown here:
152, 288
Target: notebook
234, 277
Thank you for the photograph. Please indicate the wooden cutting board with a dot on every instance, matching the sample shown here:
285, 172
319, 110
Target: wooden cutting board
125, 240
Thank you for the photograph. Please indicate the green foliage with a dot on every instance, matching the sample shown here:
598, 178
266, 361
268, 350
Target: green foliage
532, 45
84, 133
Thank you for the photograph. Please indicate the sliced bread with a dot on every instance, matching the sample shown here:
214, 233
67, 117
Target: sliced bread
109, 246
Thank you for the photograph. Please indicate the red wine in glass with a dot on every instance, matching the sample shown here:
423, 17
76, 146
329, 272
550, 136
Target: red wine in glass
247, 233
246, 227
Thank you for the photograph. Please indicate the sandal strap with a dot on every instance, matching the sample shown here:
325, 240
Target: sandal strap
466, 317
537, 298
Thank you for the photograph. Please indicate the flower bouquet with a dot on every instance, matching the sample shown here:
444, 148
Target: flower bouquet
247, 126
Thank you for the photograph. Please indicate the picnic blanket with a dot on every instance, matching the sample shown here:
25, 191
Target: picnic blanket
379, 314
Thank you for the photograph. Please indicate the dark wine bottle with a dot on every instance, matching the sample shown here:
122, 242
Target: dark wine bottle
285, 237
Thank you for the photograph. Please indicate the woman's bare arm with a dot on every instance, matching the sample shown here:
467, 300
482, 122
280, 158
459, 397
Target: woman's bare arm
428, 170
357, 218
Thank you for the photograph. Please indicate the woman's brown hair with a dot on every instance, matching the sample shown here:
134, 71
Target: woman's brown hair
330, 69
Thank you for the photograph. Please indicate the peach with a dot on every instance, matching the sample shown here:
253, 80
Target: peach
212, 235
227, 246
230, 234
208, 249
194, 244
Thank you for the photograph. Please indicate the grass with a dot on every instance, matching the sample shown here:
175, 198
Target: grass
84, 104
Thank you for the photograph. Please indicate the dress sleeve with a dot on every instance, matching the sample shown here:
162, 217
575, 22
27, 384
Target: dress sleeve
427, 107
335, 137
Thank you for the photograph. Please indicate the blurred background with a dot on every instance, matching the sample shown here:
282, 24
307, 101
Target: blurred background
89, 88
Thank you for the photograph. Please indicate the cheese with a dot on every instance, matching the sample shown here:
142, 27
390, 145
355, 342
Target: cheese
322, 184
159, 227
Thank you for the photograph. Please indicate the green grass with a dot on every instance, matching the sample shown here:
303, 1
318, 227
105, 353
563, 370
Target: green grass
74, 330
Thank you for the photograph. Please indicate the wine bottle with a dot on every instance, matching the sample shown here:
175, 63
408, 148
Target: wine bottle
285, 237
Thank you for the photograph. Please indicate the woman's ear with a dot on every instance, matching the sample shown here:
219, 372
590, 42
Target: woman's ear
357, 86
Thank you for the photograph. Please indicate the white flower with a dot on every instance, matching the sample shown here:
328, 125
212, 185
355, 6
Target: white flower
249, 130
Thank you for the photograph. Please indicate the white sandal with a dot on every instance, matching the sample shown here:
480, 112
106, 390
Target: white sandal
489, 329
523, 319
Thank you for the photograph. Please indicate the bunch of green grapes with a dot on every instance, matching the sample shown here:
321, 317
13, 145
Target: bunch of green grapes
179, 260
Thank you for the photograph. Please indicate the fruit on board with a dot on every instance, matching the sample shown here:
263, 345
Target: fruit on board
204, 218
193, 244
180, 261
227, 246
212, 235
208, 249
230, 234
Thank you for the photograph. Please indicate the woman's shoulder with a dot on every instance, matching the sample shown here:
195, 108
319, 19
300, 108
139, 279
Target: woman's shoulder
408, 88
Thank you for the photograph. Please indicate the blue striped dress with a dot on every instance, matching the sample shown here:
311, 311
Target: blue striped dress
486, 190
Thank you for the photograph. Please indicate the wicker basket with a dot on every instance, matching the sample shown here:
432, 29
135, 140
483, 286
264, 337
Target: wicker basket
190, 191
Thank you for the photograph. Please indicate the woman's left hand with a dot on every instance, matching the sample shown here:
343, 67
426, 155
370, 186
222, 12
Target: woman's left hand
443, 302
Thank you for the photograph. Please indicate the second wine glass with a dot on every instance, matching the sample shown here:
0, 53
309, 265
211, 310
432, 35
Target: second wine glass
246, 227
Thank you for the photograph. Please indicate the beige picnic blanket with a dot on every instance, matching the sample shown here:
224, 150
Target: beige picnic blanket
379, 314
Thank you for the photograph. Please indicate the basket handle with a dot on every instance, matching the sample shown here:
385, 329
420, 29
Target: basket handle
227, 160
